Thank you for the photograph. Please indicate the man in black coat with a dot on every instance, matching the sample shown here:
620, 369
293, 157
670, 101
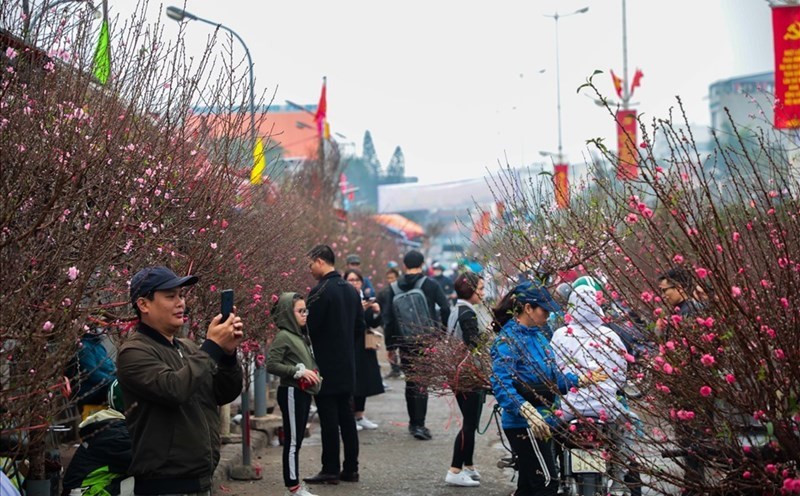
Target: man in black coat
416, 396
335, 322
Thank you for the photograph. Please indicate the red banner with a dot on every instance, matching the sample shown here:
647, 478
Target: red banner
786, 36
561, 183
627, 167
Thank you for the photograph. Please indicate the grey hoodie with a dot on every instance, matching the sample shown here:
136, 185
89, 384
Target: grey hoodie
289, 351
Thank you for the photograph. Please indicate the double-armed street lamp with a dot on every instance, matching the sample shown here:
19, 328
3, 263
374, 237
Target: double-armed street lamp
556, 17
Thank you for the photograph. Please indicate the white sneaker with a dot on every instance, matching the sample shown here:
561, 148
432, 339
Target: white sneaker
460, 479
359, 427
366, 423
473, 474
301, 491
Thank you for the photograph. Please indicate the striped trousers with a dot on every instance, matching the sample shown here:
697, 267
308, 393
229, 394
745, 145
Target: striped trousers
294, 405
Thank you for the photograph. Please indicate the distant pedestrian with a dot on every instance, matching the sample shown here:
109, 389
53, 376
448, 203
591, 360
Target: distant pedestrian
368, 370
465, 324
445, 282
290, 358
354, 262
335, 324
405, 334
173, 388
392, 348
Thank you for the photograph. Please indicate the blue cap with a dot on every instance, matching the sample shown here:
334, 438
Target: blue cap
528, 292
159, 278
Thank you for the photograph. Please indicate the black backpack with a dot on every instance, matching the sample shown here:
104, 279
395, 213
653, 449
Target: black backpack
411, 309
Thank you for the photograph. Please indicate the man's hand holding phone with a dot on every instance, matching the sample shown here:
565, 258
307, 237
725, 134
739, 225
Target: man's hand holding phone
228, 334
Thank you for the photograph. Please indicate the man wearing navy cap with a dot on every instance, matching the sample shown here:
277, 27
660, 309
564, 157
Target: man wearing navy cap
173, 388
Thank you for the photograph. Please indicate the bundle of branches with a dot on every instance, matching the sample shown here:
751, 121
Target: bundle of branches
724, 364
443, 364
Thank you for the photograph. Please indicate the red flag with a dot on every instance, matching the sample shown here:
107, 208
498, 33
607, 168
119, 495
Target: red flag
786, 42
322, 110
637, 80
617, 84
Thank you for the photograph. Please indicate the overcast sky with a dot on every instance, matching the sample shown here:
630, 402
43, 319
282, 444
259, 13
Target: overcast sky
462, 85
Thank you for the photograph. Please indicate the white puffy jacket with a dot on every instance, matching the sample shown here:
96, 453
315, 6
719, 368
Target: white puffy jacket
583, 345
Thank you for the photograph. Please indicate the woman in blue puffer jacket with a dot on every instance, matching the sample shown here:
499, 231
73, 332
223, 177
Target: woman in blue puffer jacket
524, 379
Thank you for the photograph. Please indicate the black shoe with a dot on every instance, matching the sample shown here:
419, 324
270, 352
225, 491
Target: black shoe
349, 476
322, 478
421, 433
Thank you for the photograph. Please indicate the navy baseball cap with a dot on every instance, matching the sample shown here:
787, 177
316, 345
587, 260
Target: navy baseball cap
158, 278
528, 292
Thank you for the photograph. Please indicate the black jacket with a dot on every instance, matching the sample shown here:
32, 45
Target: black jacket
335, 324
433, 294
104, 454
174, 391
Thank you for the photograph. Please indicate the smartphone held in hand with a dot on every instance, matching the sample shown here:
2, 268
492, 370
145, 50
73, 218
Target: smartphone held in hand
226, 305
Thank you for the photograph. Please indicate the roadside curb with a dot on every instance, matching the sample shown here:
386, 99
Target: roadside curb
261, 432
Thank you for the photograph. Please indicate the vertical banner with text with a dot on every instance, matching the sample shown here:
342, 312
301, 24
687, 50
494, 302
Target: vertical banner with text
627, 167
561, 183
786, 36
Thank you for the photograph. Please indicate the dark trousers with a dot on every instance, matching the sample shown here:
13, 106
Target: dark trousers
531, 480
294, 405
359, 403
416, 395
335, 413
464, 446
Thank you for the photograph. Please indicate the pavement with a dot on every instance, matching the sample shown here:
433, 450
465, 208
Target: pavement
392, 462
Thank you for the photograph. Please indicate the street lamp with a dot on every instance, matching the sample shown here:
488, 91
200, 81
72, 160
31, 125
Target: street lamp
181, 15
556, 17
260, 382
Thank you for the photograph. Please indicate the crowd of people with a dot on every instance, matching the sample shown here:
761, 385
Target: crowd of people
322, 355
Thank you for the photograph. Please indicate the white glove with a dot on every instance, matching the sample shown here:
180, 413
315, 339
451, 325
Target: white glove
537, 424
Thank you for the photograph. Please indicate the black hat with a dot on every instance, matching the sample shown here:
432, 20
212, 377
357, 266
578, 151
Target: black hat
353, 260
413, 260
159, 278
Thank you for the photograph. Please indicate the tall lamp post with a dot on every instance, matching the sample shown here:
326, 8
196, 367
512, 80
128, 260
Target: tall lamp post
626, 92
561, 169
260, 382
556, 17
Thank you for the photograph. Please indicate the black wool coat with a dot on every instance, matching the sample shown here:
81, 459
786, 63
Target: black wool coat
335, 325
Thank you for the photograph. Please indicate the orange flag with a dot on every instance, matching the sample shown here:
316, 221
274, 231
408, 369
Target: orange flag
617, 84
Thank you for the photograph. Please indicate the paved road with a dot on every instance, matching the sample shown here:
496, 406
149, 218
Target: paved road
393, 462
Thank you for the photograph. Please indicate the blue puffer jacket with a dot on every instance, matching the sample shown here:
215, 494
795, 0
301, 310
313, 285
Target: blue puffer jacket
522, 354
